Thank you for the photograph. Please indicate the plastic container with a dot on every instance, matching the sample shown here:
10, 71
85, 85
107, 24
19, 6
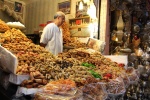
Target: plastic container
126, 79
94, 91
115, 88
132, 75
47, 96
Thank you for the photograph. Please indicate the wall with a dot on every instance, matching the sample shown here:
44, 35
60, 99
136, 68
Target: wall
4, 16
41, 11
7, 12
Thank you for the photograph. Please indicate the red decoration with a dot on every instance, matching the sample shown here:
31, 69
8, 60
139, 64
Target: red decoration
78, 22
42, 25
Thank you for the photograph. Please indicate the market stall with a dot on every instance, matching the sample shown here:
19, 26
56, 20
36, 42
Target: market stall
28, 71
77, 74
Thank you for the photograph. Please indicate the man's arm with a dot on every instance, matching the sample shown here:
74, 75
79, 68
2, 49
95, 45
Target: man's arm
44, 37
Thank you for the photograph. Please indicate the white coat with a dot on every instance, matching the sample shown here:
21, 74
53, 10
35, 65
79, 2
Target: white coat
52, 36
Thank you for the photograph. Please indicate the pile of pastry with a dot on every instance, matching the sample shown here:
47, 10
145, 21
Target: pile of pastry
68, 40
3, 26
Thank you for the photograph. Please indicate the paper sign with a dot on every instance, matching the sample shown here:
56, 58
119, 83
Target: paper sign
8, 61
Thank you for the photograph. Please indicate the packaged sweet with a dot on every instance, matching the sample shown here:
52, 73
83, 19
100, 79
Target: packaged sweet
61, 87
115, 86
47, 96
94, 91
132, 75
3, 26
126, 79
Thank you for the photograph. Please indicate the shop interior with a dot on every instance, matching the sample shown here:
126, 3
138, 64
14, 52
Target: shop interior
106, 50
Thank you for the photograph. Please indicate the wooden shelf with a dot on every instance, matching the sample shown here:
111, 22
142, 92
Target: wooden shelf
78, 26
86, 17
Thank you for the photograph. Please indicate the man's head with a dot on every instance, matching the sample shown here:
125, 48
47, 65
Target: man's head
59, 18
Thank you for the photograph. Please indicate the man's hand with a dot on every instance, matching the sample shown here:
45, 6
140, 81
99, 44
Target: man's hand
42, 44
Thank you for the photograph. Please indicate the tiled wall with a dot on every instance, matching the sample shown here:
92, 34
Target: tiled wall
41, 11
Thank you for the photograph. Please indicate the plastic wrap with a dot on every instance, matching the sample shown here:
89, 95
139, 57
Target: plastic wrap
61, 87
115, 87
126, 79
94, 91
95, 44
60, 90
27, 91
132, 75
47, 96
17, 79
8, 61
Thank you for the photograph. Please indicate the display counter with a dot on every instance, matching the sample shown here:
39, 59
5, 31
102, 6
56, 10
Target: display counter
78, 73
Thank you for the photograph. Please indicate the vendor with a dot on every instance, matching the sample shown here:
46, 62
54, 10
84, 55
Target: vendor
51, 37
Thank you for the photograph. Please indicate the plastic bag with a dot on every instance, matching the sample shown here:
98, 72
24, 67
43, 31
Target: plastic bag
95, 44
94, 91
61, 87
27, 91
115, 87
47, 96
17, 79
126, 79
132, 75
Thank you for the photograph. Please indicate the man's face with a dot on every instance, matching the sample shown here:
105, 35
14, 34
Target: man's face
61, 20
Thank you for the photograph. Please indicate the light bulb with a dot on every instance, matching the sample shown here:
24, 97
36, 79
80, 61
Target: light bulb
92, 11
81, 6
116, 39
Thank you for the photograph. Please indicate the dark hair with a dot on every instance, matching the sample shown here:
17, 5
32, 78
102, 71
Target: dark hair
55, 16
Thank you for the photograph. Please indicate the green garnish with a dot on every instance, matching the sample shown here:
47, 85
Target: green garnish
95, 74
88, 65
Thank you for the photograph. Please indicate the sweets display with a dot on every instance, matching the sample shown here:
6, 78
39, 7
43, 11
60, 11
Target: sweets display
94, 91
115, 87
80, 68
103, 65
13, 36
68, 40
3, 26
60, 86
66, 33
37, 80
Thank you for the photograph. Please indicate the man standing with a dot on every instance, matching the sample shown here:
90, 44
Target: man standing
51, 37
